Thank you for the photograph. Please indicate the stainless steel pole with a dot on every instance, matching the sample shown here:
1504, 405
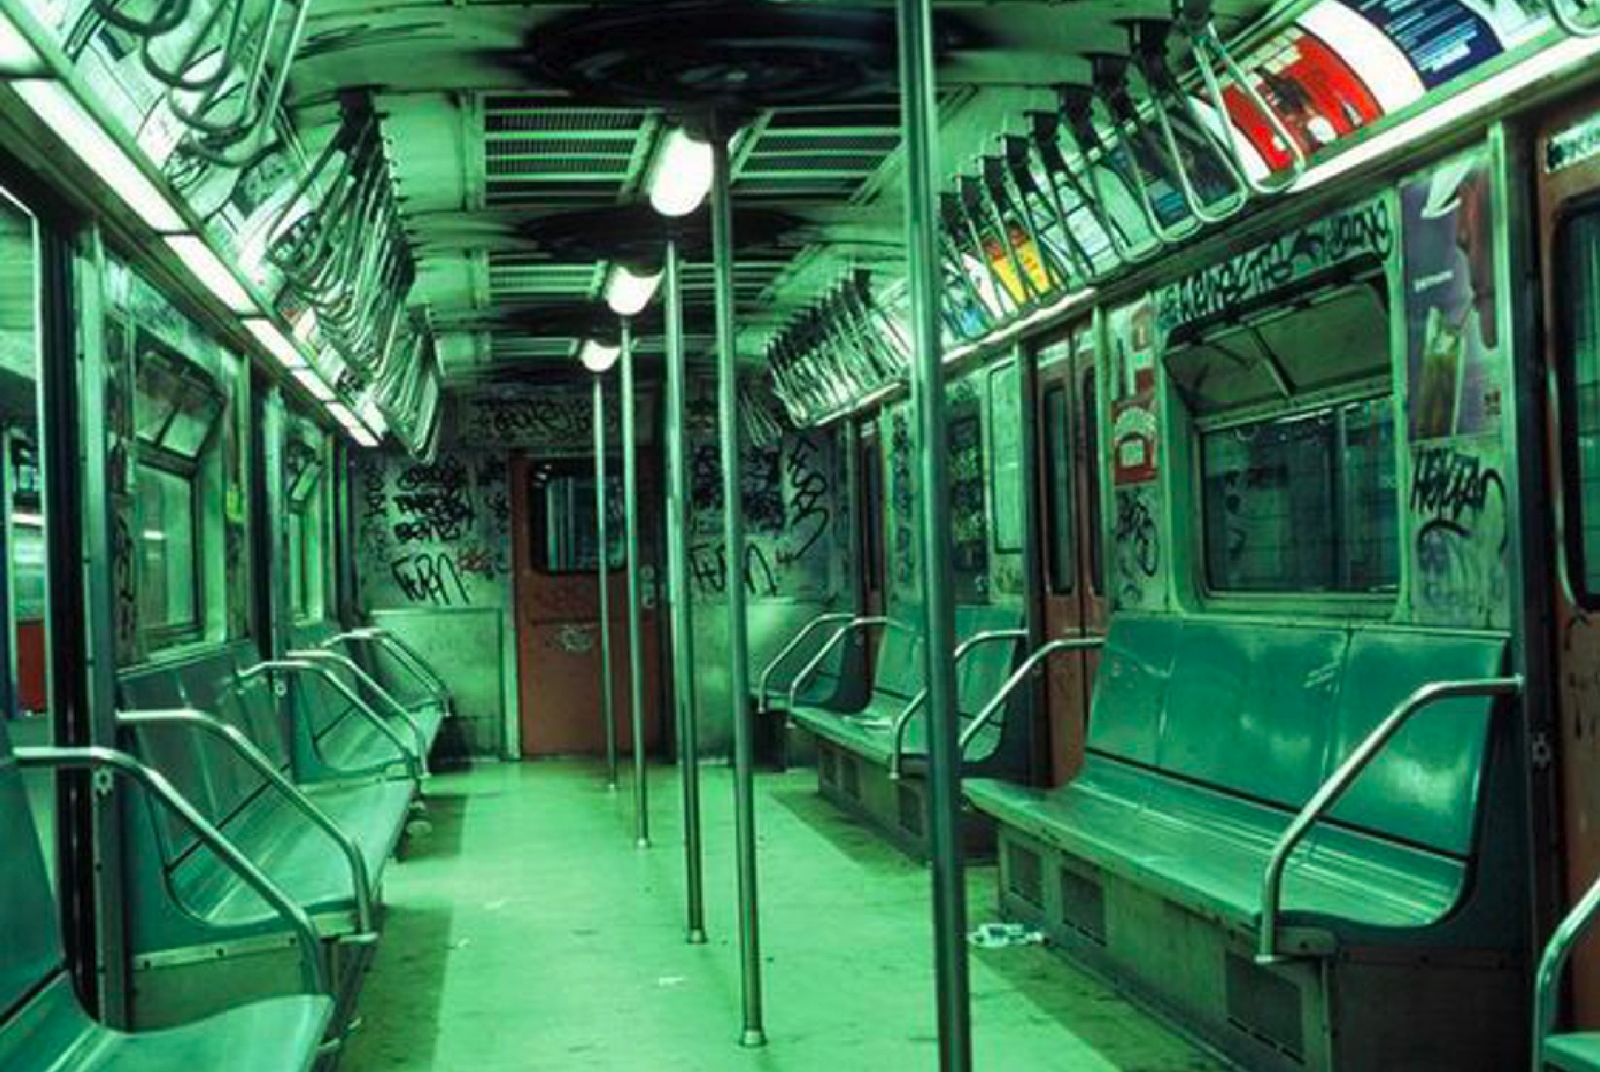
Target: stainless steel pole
602, 530
919, 115
744, 797
630, 507
678, 586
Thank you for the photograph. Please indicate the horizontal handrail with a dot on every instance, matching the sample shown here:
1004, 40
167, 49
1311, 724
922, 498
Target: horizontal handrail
1551, 964
357, 703
789, 649
368, 682
313, 972
1341, 779
972, 643
809, 670
361, 882
1019, 675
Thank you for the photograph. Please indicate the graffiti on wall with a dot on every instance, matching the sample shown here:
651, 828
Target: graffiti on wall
789, 497
1460, 533
1136, 564
552, 421
1362, 231
434, 534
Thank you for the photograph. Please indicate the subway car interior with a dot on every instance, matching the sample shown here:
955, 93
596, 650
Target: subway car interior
751, 535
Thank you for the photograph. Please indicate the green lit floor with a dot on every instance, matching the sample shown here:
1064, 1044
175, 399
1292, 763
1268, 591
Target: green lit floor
528, 933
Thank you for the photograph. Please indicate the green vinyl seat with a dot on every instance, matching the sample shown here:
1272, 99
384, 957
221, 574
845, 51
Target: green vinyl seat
1206, 737
1577, 1052
44, 1029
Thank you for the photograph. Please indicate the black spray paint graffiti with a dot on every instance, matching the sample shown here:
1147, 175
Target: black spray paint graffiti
708, 570
1365, 230
1138, 547
809, 492
1458, 505
431, 503
550, 419
902, 499
430, 577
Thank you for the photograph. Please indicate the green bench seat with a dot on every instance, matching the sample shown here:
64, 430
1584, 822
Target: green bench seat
868, 731
185, 897
356, 741
1577, 1052
44, 1029
1207, 735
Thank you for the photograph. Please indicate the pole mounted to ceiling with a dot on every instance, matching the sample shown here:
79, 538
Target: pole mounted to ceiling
630, 502
678, 585
603, 570
918, 83
734, 556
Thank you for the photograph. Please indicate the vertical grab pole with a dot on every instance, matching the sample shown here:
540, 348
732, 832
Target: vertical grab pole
678, 585
919, 117
602, 530
733, 539
630, 505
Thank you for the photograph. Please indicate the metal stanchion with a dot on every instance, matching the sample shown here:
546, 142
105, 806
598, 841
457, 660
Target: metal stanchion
678, 585
602, 529
920, 118
630, 506
734, 551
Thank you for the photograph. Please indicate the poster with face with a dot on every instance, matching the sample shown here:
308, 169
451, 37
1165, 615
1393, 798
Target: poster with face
1453, 340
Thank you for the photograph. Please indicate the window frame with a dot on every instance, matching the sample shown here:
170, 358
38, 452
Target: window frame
538, 517
1364, 603
1565, 367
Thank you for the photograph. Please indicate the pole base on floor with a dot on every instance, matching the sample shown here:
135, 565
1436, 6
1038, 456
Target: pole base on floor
753, 1038
641, 843
697, 936
611, 787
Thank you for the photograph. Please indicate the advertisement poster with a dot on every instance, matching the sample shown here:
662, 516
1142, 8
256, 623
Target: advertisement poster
1133, 397
1452, 337
1447, 38
1315, 93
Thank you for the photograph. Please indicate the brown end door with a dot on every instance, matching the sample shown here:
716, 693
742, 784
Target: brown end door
558, 609
1069, 521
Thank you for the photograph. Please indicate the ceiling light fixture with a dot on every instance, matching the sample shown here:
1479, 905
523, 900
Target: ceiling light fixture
18, 57
275, 342
210, 271
628, 292
598, 357
680, 176
56, 107
314, 384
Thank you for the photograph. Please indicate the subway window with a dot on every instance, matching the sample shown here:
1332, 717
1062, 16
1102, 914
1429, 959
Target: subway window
304, 491
1091, 437
1060, 560
564, 531
169, 576
1579, 250
1303, 502
177, 409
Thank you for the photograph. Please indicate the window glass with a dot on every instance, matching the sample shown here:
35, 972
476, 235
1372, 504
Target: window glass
1303, 503
1580, 276
1005, 445
871, 514
566, 533
1060, 563
169, 583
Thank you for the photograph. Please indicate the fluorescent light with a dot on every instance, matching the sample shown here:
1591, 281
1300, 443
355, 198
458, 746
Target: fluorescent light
275, 342
341, 413
1547, 63
628, 293
371, 416
58, 109
597, 357
313, 383
212, 273
28, 520
306, 326
363, 437
17, 54
680, 177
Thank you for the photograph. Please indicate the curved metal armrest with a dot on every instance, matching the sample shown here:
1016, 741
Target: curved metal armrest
312, 971
357, 703
809, 670
789, 649
1328, 794
972, 643
403, 653
1019, 675
1546, 1001
361, 882
368, 682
